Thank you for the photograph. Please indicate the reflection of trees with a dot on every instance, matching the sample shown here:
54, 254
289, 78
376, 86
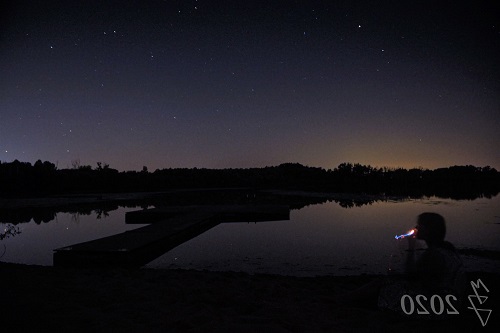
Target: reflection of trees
25, 215
101, 213
75, 217
9, 231
295, 200
46, 214
354, 203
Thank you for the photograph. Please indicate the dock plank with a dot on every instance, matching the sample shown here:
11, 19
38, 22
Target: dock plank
226, 213
135, 247
168, 228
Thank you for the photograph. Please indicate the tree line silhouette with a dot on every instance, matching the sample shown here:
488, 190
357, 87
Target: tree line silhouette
44, 178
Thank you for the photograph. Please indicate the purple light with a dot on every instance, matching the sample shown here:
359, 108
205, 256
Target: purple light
411, 232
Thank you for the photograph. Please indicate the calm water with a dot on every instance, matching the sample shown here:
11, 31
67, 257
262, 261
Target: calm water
36, 242
317, 240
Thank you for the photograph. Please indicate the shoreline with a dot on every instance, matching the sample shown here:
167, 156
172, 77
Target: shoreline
147, 300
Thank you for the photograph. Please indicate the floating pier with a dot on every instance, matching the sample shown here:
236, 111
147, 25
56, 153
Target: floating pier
167, 228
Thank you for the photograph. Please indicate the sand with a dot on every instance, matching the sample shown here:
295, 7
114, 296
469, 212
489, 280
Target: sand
36, 298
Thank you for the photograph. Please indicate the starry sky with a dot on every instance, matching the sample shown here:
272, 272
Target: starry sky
238, 84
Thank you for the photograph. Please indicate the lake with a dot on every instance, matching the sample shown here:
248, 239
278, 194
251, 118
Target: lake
322, 239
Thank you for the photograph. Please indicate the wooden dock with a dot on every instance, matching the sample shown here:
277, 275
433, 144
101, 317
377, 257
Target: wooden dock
224, 213
167, 228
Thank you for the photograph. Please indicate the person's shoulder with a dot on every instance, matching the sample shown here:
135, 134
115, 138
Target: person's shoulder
448, 250
438, 255
448, 255
449, 246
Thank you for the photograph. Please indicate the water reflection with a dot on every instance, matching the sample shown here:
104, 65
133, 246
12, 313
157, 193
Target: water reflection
44, 213
41, 215
328, 239
36, 241
336, 235
70, 214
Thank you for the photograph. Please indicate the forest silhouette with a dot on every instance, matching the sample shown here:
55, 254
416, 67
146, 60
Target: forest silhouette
22, 179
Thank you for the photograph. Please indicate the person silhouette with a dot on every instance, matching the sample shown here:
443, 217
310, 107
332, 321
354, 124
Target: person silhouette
438, 271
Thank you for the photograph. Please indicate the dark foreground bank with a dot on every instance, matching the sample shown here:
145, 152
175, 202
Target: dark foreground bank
36, 298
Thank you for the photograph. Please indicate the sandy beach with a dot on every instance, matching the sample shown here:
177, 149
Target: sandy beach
36, 298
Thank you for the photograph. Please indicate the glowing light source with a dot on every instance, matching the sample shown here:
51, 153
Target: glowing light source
410, 232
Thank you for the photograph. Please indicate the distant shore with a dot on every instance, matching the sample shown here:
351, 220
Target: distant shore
44, 178
38, 298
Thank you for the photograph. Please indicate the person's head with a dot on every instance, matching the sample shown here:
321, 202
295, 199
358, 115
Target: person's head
431, 228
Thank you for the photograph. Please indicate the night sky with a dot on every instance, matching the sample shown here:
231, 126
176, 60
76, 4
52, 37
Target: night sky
237, 84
